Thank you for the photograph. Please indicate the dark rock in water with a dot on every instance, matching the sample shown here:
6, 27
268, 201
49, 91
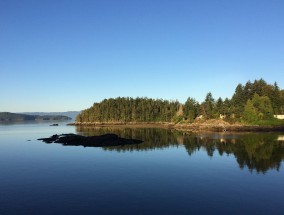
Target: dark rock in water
91, 141
54, 125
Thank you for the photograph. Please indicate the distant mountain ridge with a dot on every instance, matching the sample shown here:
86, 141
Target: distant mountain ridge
15, 117
71, 114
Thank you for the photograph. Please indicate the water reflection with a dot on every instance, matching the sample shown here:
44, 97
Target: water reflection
154, 138
256, 151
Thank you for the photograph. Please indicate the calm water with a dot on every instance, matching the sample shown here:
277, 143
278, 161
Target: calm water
170, 173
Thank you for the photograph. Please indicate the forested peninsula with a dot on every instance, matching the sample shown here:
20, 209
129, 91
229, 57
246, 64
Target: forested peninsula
14, 117
252, 105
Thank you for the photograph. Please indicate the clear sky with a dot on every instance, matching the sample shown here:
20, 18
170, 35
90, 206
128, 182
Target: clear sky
58, 55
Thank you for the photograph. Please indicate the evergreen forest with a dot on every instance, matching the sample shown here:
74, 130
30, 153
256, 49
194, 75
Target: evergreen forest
254, 102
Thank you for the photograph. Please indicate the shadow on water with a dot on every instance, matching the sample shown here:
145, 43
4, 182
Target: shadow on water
153, 138
256, 151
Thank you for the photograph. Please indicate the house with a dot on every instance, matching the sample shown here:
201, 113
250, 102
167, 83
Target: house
222, 116
199, 117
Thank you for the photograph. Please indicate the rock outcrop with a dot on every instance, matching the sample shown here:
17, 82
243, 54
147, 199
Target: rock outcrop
89, 141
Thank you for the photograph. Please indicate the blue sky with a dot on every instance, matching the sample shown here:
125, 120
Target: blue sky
66, 55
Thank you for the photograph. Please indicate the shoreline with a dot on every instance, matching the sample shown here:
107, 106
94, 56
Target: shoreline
194, 127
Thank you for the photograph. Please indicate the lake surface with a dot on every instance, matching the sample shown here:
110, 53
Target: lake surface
170, 173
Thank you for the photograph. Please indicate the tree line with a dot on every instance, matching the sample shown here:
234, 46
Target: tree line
126, 109
250, 103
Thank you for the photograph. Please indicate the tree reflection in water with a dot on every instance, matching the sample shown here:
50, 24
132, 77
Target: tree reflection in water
256, 151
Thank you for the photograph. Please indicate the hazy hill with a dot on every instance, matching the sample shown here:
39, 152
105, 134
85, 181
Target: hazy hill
71, 114
14, 117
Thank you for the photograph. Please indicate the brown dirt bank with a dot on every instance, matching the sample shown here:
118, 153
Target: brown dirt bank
214, 125
228, 128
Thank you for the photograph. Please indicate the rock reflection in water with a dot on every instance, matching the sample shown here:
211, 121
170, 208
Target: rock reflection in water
256, 151
153, 138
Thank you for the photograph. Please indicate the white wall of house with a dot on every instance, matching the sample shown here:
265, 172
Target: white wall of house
279, 116
199, 117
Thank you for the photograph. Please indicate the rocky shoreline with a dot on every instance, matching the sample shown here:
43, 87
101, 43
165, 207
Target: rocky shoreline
213, 125
124, 124
229, 128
